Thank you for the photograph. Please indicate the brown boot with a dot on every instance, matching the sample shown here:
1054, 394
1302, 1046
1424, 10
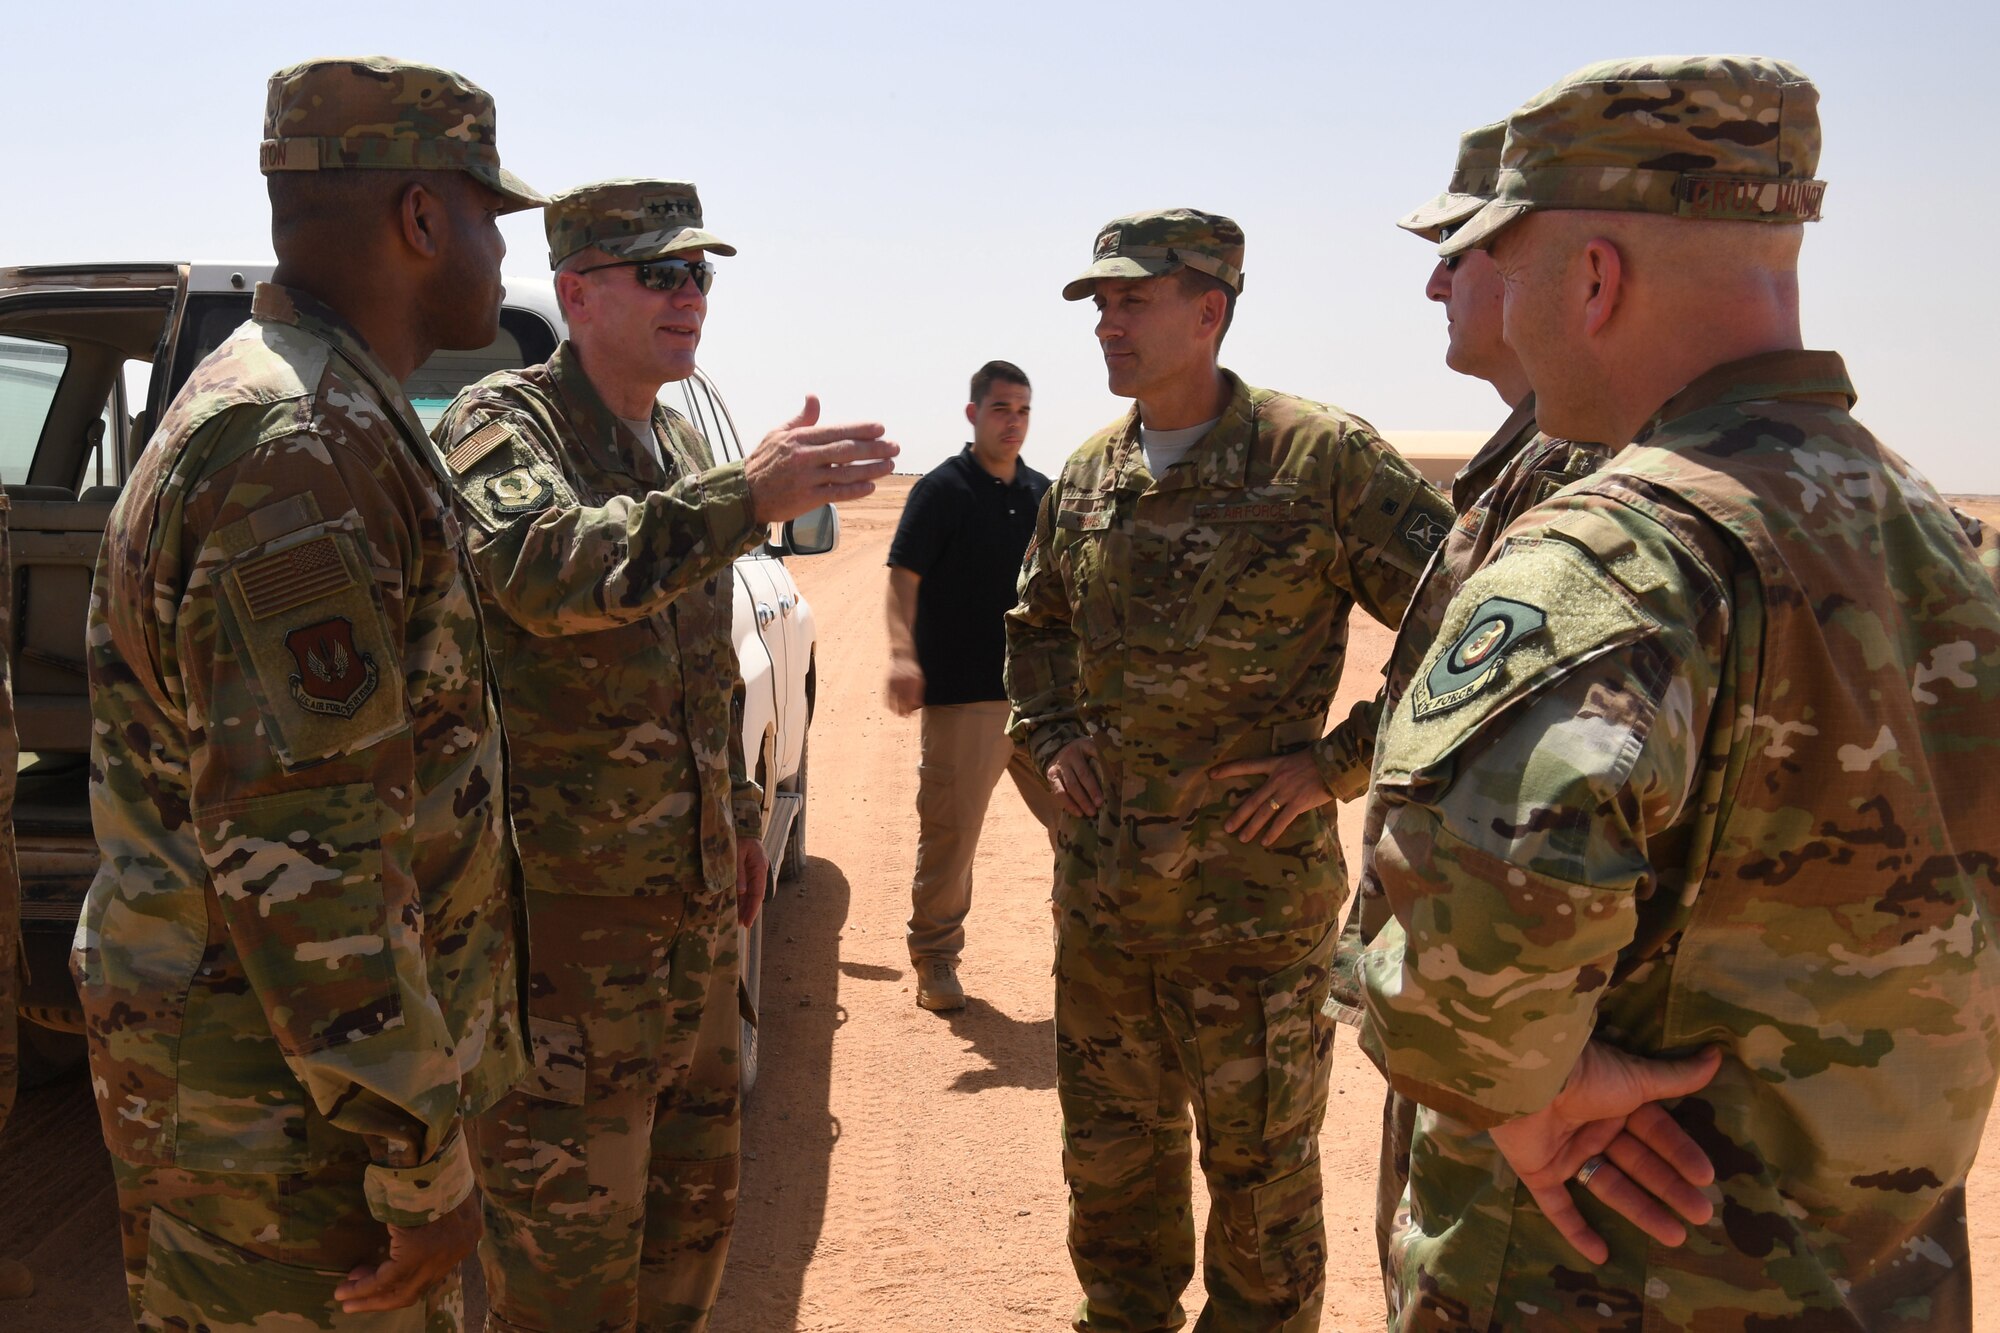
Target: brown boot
16, 1282
937, 985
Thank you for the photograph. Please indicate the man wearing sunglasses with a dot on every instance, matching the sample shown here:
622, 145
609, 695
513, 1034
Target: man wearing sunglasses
1513, 471
603, 535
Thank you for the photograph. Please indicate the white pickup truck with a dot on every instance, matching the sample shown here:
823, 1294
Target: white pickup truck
90, 354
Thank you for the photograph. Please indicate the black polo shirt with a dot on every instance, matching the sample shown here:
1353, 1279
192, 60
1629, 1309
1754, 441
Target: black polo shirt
963, 534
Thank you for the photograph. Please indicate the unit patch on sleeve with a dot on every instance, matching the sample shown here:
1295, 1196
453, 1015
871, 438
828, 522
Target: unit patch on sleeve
1425, 530
519, 490
334, 677
1473, 661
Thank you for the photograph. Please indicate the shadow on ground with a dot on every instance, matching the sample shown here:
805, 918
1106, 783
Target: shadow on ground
789, 1130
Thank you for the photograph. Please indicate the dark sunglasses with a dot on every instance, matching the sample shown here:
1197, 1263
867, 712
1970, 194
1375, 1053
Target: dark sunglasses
1450, 262
665, 275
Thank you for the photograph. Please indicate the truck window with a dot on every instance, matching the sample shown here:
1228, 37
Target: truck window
525, 339
30, 372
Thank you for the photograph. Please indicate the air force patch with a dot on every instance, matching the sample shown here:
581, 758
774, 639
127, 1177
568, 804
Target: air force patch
1473, 661
519, 491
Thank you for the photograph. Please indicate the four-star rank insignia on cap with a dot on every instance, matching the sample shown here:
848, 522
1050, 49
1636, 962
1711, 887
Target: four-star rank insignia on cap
1473, 660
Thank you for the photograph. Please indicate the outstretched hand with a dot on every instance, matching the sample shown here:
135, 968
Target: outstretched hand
803, 465
1610, 1109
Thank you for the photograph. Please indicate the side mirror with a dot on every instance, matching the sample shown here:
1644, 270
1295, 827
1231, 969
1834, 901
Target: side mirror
813, 533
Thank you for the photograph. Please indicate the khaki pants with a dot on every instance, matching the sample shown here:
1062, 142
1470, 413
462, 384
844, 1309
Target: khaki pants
1234, 1032
965, 750
610, 1172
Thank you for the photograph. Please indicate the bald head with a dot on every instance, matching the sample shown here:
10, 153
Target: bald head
1612, 313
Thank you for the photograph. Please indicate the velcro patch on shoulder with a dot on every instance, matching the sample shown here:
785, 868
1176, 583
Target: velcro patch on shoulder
318, 659
503, 472
1539, 612
477, 445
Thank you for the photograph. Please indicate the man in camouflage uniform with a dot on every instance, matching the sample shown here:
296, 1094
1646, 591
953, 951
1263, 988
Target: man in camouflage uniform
298, 963
1180, 634
1517, 468
1703, 759
603, 536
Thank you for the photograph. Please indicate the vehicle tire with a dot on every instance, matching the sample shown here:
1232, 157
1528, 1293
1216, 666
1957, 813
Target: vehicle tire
48, 1056
793, 863
751, 943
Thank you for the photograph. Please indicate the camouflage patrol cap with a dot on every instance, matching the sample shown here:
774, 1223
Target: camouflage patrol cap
1146, 245
1473, 181
371, 111
1720, 138
630, 219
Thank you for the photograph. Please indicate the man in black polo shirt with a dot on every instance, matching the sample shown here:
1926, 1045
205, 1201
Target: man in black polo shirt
952, 572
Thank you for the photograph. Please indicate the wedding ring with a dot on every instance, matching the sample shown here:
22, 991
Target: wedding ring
1589, 1169
1275, 803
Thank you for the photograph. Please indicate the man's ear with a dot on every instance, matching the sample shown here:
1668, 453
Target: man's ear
572, 298
1603, 273
421, 213
1214, 306
972, 413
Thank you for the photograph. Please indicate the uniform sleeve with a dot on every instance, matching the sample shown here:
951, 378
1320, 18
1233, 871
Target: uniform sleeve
557, 566
922, 531
290, 641
1391, 522
1551, 738
1042, 671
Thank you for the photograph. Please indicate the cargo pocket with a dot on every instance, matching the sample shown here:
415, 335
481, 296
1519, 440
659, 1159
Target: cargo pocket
1291, 1237
556, 1054
1298, 1040
195, 1280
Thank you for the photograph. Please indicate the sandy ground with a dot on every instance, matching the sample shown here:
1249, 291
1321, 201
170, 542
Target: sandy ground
903, 1169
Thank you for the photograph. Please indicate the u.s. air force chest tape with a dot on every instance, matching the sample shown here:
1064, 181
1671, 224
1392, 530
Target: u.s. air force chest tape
300, 607
501, 475
1543, 609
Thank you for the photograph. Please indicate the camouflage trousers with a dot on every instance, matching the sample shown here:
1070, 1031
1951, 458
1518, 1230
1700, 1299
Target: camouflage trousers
1236, 1032
230, 1253
1346, 1004
610, 1172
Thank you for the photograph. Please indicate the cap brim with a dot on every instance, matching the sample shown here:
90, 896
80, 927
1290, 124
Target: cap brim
517, 192
1115, 266
1479, 230
1446, 210
666, 241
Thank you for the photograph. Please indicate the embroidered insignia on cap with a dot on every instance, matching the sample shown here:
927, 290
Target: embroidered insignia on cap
273, 584
519, 491
1473, 661
334, 677
1107, 244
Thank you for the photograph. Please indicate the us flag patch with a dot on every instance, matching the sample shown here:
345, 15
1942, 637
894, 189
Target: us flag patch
273, 584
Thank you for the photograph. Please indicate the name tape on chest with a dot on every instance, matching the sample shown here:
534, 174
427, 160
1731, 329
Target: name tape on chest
1252, 511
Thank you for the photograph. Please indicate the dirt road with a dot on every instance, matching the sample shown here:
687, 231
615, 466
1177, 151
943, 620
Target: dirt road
903, 1168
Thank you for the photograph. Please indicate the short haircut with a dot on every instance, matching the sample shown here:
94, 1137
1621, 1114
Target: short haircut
1194, 282
1005, 372
322, 211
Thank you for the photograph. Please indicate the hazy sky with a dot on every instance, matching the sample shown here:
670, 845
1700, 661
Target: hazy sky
911, 184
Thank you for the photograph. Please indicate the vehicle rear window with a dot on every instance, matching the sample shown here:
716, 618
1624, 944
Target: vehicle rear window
525, 339
30, 371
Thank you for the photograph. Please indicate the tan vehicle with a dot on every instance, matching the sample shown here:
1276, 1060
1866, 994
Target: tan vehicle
89, 356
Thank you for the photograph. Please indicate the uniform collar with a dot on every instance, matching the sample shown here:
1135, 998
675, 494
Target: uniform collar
1819, 376
1221, 458
596, 430
271, 303
1475, 477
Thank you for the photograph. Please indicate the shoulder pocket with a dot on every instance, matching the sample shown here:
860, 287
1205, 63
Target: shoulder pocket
501, 475
1542, 610
303, 614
